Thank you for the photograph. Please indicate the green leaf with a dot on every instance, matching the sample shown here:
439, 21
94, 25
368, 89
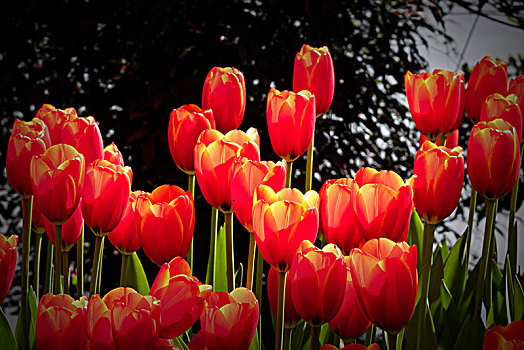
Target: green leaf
298, 335
445, 250
430, 337
7, 338
255, 342
326, 335
416, 234
518, 299
239, 275
508, 290
436, 274
135, 275
26, 338
450, 319
31, 299
456, 268
180, 343
471, 334
221, 262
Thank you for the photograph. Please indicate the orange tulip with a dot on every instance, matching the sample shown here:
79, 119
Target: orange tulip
85, 136
281, 221
318, 282
350, 321
291, 122
123, 320
55, 119
338, 220
516, 87
8, 256
314, 71
493, 158
27, 139
165, 220
105, 195
60, 322
451, 140
124, 236
57, 176
113, 155
228, 321
225, 93
505, 338
71, 229
185, 125
246, 175
383, 204
214, 156
438, 182
435, 101
181, 295
385, 278
489, 76
506, 108
291, 316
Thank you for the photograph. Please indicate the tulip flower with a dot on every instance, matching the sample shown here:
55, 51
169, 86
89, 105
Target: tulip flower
57, 176
71, 230
27, 139
385, 278
124, 236
438, 181
85, 136
493, 158
314, 71
165, 221
451, 140
291, 316
291, 122
507, 108
350, 321
60, 323
435, 101
318, 282
55, 119
502, 338
185, 125
489, 76
37, 219
228, 321
8, 255
225, 93
123, 319
338, 220
181, 295
113, 155
383, 204
516, 87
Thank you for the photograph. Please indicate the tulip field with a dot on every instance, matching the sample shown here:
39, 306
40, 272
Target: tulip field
353, 264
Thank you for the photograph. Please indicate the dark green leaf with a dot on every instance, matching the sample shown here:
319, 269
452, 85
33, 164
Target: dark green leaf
518, 299
298, 334
180, 343
135, 275
7, 338
471, 334
456, 268
416, 234
508, 290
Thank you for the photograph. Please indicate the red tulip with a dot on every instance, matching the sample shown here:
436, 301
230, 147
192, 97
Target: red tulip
214, 156
55, 120
281, 221
85, 136
451, 140
314, 71
60, 322
493, 158
123, 320
8, 256
291, 122
185, 125
516, 87
165, 220
125, 235
505, 338
105, 195
291, 316
338, 220
489, 76
57, 176
113, 155
435, 101
27, 139
385, 278
383, 204
318, 282
351, 321
438, 181
246, 175
71, 229
506, 108
228, 321
181, 295
37, 219
225, 93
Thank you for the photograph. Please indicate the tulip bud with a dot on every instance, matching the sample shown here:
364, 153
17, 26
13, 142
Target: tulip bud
516, 87
85, 136
125, 235
8, 256
55, 119
113, 155
71, 229
506, 108
501, 338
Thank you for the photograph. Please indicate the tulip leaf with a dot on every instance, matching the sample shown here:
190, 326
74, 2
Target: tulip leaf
7, 338
508, 290
26, 338
456, 267
326, 335
416, 234
495, 296
518, 300
437, 270
31, 299
220, 283
255, 343
135, 276
298, 335
450, 319
239, 275
179, 342
471, 334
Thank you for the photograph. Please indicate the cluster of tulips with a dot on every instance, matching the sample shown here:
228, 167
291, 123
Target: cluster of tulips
363, 276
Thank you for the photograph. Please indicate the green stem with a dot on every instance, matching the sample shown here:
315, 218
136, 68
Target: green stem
490, 214
230, 259
512, 235
65, 271
191, 188
251, 261
280, 309
392, 341
58, 259
48, 286
289, 174
123, 270
472, 210
492, 254
258, 292
38, 249
315, 332
287, 338
100, 261
212, 247
309, 164
27, 218
80, 264
94, 268
429, 230
370, 334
